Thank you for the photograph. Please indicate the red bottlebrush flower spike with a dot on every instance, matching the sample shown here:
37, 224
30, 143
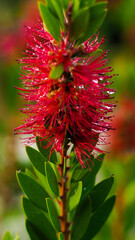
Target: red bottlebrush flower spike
74, 105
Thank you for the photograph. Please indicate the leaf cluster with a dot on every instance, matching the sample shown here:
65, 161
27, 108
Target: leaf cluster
87, 206
86, 18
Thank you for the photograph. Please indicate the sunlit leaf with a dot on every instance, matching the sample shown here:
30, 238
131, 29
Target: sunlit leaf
53, 214
75, 9
52, 179
80, 24
17, 237
50, 6
36, 159
7, 236
50, 22
57, 71
33, 190
74, 195
58, 8
60, 236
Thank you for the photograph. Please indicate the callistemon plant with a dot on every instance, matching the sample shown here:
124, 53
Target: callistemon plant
68, 101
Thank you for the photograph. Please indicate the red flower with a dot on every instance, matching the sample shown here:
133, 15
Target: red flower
73, 105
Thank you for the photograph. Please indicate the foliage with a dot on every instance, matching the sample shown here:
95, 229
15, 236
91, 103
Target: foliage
87, 205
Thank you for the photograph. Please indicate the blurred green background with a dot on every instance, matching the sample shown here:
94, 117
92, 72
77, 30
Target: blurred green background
119, 29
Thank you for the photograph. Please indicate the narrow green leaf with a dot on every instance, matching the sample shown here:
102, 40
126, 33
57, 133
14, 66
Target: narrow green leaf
56, 71
81, 219
97, 15
85, 3
80, 24
74, 196
50, 6
79, 174
41, 144
52, 179
36, 159
64, 3
7, 236
90, 179
53, 214
33, 190
58, 8
50, 22
99, 192
76, 5
43, 180
60, 236
39, 219
30, 174
98, 218
17, 237
34, 232
98, 12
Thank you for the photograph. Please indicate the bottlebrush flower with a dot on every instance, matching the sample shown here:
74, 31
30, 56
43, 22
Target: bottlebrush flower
75, 104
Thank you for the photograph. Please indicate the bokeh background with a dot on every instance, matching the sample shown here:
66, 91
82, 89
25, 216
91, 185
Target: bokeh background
119, 29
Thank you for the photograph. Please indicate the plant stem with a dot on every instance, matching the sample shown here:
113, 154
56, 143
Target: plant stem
63, 169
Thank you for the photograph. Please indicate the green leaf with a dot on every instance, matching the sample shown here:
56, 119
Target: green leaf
80, 24
56, 71
30, 174
53, 214
85, 3
99, 192
7, 236
49, 5
59, 11
33, 190
39, 219
97, 15
90, 180
79, 174
16, 237
34, 232
50, 22
76, 172
43, 180
74, 195
52, 179
98, 218
81, 219
76, 4
41, 144
60, 236
36, 159
64, 3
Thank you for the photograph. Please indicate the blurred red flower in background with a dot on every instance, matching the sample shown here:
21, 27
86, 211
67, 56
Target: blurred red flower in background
12, 34
122, 140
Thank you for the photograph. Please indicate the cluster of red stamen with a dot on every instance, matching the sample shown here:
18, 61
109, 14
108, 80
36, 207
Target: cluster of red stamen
72, 106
